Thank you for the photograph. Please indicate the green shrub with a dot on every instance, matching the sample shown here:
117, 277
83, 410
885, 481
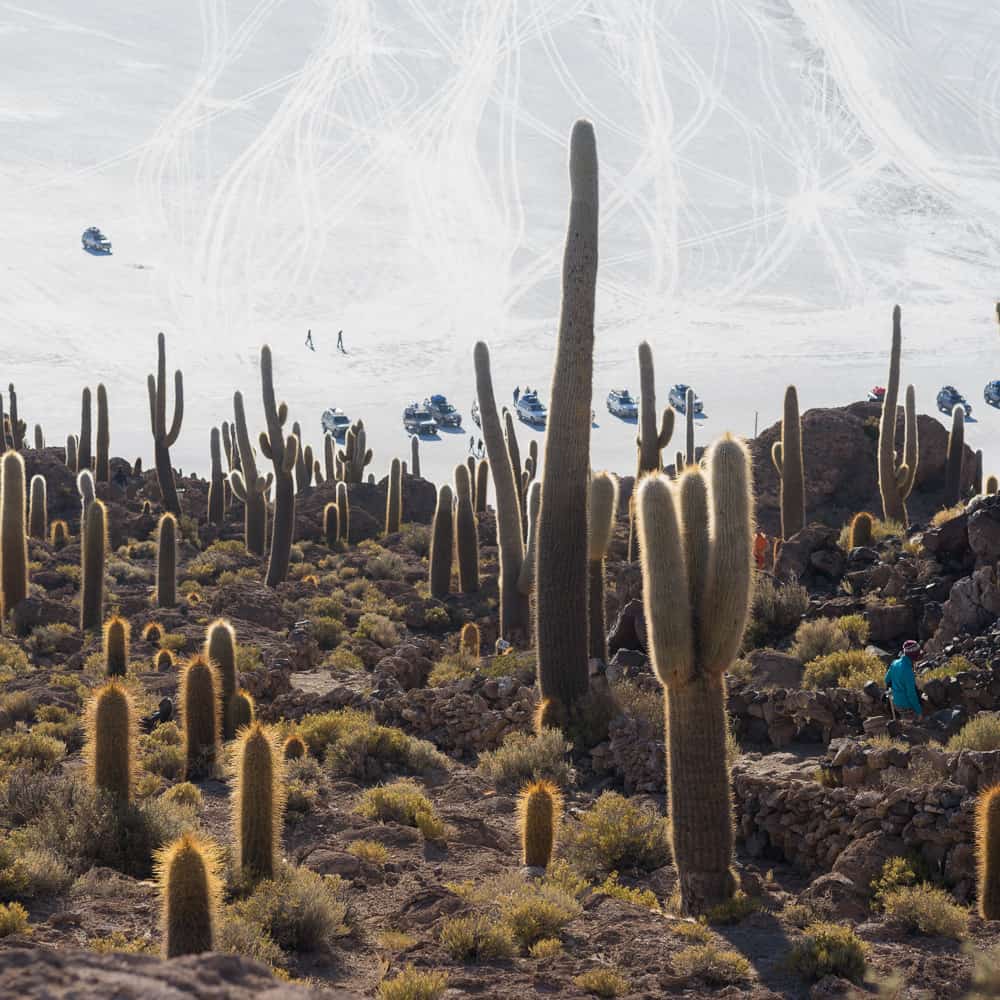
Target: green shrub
818, 638
855, 627
185, 794
13, 659
536, 911
343, 661
413, 984
615, 834
13, 919
546, 948
897, 873
417, 538
640, 897
118, 942
829, 950
370, 851
326, 632
477, 938
385, 565
402, 802
733, 910
953, 665
714, 965
28, 872
30, 749
19, 705
378, 628
602, 982
524, 757
775, 611
926, 909
980, 733
851, 668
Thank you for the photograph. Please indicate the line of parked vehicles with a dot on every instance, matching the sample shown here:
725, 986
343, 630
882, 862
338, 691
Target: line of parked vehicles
949, 397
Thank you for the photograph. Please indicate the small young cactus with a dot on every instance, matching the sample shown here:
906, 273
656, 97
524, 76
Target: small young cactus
992, 484
116, 642
442, 536
466, 533
92, 555
539, 810
111, 740
469, 640
394, 498
861, 530
163, 662
152, 633
258, 802
988, 851
242, 711
190, 888
294, 748
199, 700
59, 534
166, 562
13, 539
38, 515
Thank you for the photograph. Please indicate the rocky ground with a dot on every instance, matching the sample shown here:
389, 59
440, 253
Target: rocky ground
828, 786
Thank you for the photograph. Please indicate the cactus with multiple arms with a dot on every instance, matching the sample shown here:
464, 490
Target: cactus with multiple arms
697, 582
895, 482
13, 538
355, 455
247, 485
956, 452
561, 577
164, 437
786, 455
466, 534
603, 509
102, 464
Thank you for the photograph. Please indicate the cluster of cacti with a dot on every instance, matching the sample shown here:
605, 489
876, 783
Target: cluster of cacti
466, 533
258, 802
539, 811
895, 481
13, 537
442, 548
164, 437
305, 467
102, 461
987, 826
603, 509
956, 452
282, 453
561, 571
200, 715
696, 545
166, 562
786, 455
92, 557
38, 514
216, 485
111, 741
116, 646
187, 872
247, 485
355, 455
394, 498
861, 530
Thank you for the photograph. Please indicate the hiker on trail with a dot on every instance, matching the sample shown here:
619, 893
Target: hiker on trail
340, 341
900, 681
517, 392
309, 340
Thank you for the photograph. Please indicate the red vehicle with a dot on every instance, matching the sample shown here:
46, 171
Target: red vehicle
876, 394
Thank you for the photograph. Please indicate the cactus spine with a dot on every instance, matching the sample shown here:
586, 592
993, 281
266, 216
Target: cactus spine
603, 509
466, 534
343, 512
220, 649
539, 810
697, 580
83, 452
216, 491
895, 482
469, 639
92, 555
258, 802
442, 534
188, 875
956, 452
561, 591
164, 437
13, 539
394, 498
166, 562
331, 524
786, 455
111, 739
482, 485
247, 485
102, 466
199, 698
38, 515
282, 452
415, 455
861, 530
988, 851
116, 642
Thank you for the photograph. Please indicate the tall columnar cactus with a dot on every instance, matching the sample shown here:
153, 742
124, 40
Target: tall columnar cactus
164, 437
513, 604
652, 439
216, 490
83, 451
13, 538
861, 530
466, 533
355, 455
561, 591
514, 450
603, 509
248, 486
102, 465
38, 514
689, 456
329, 458
220, 649
304, 467
88, 492
442, 535
39, 438
415, 456
786, 455
282, 452
895, 482
697, 581
116, 644
111, 741
92, 556
539, 811
956, 452
977, 474
470, 465
469, 639
343, 512
200, 715
526, 581
166, 562
72, 454
988, 851
17, 426
187, 872
482, 485
394, 498
331, 524
258, 802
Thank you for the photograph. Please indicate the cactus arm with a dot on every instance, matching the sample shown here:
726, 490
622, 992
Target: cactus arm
265, 446
290, 452
175, 426
526, 579
911, 443
776, 457
237, 485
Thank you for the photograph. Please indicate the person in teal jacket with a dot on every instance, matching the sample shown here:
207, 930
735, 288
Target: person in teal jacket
900, 681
